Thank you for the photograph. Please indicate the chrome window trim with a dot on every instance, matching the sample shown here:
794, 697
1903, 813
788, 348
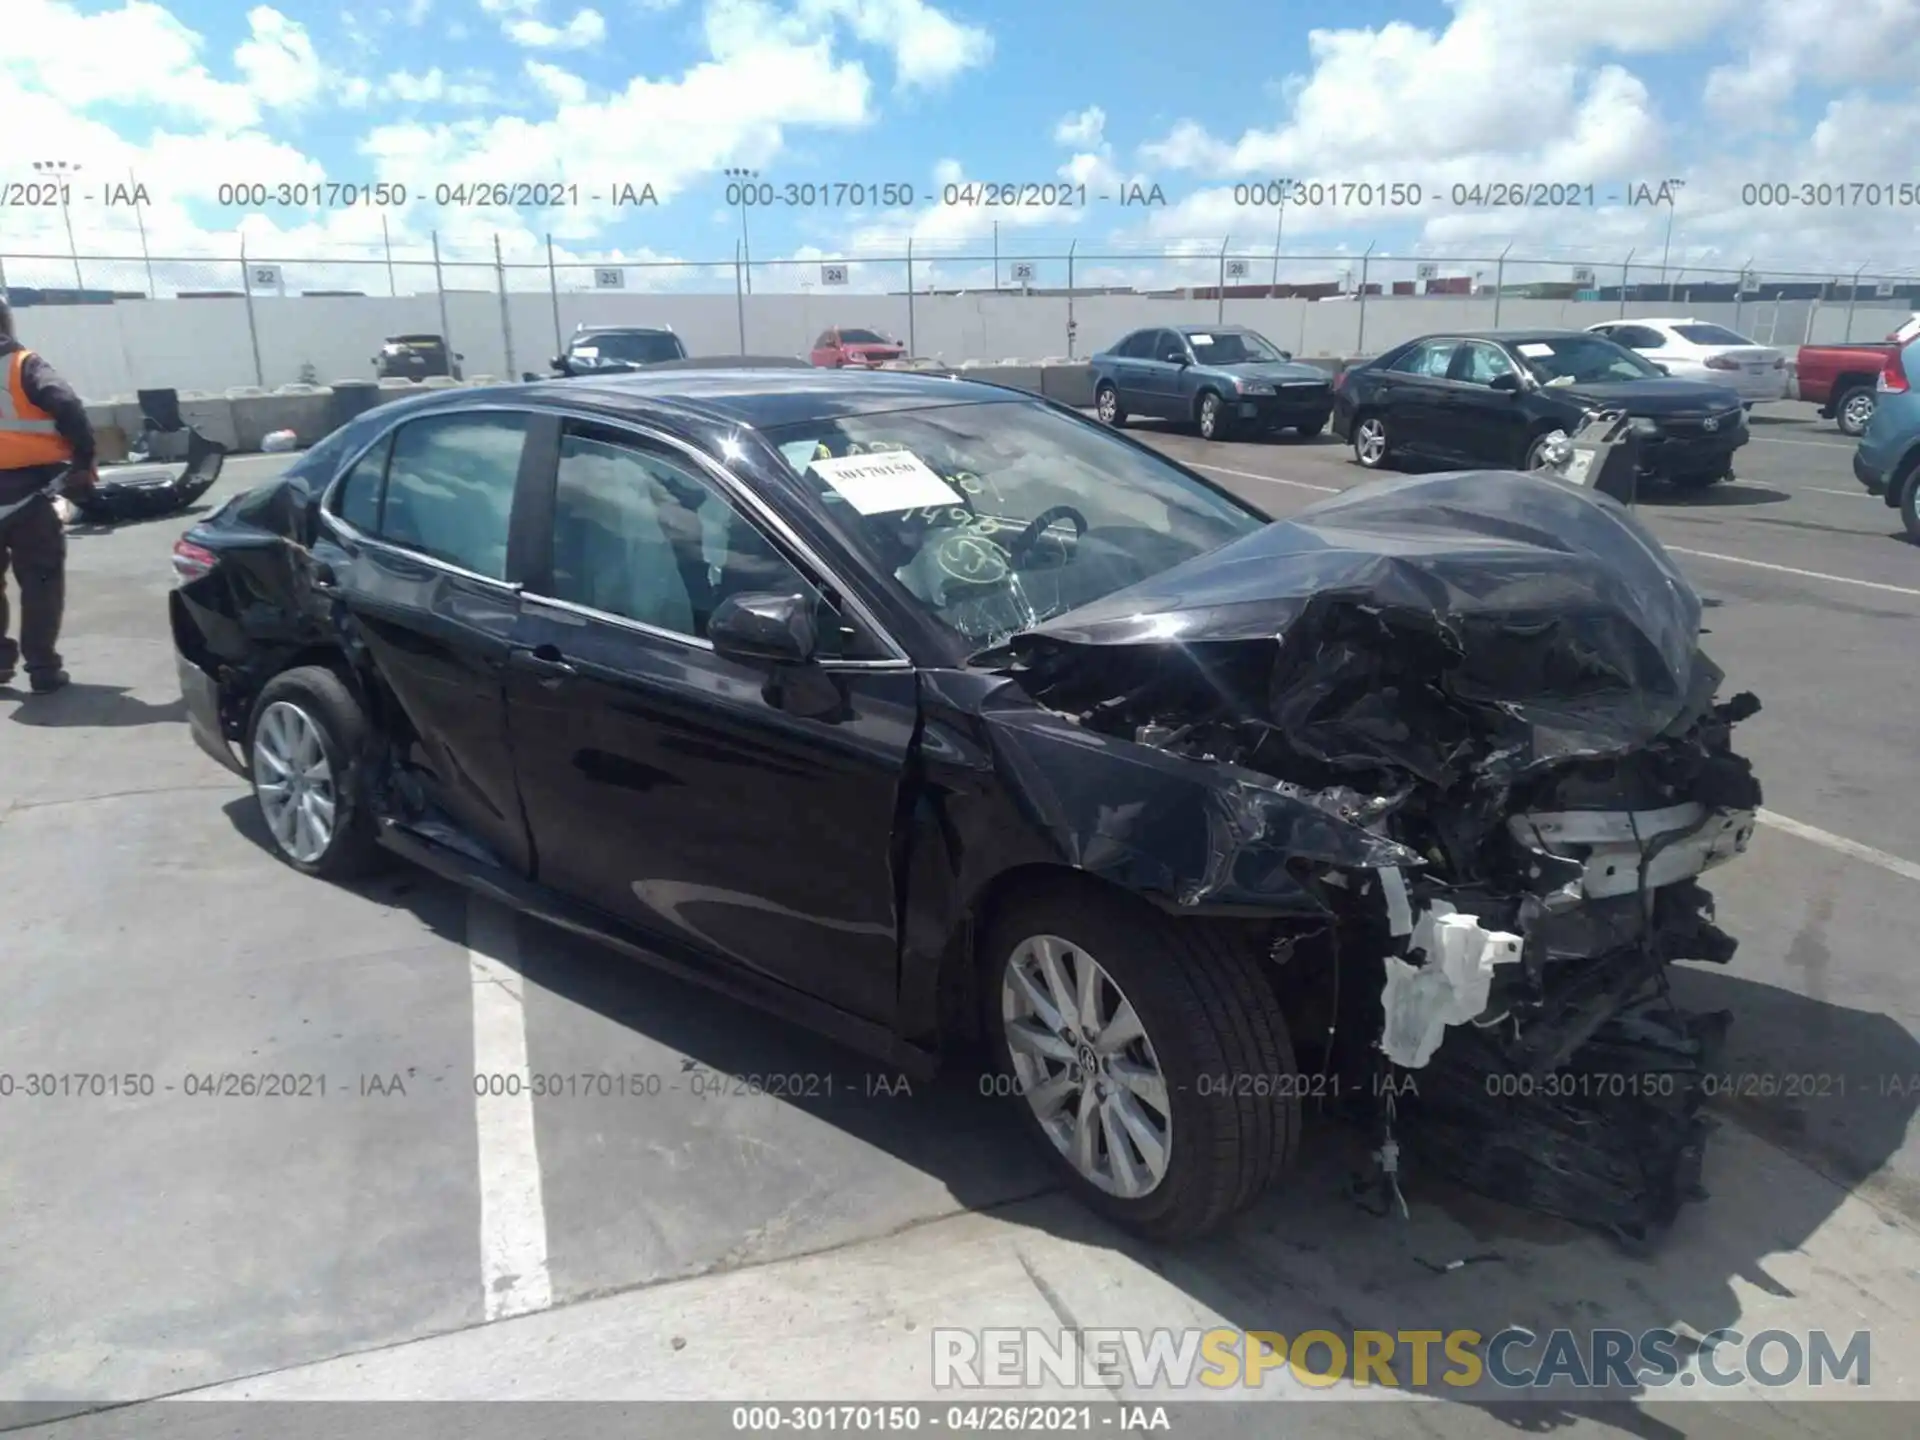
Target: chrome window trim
728, 484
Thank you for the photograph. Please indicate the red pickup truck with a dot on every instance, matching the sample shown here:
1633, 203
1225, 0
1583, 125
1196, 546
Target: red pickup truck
1840, 379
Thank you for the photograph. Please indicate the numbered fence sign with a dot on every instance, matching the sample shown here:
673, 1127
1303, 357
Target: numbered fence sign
1023, 273
1884, 289
1236, 269
1426, 272
833, 274
1583, 277
610, 279
263, 277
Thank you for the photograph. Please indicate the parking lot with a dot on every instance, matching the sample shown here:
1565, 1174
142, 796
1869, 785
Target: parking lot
401, 1234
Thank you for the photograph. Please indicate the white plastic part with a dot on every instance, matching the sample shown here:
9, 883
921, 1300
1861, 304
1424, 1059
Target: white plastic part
1451, 988
278, 442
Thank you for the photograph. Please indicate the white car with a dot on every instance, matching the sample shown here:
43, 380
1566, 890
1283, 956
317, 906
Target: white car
1690, 349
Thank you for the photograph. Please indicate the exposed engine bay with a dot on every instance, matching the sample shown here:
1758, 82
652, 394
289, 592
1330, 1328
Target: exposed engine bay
1497, 678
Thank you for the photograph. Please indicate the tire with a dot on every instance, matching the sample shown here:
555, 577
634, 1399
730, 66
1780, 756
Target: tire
1212, 1031
1372, 444
314, 699
1209, 415
1910, 505
1106, 404
1308, 431
1853, 410
1531, 459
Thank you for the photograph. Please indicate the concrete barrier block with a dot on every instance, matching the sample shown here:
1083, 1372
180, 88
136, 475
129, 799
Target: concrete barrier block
212, 416
1022, 377
126, 415
1068, 383
257, 416
100, 413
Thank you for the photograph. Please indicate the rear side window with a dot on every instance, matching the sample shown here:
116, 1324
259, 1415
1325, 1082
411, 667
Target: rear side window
1136, 346
450, 484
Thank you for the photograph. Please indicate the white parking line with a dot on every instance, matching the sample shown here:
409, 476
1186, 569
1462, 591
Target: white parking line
1807, 444
1270, 479
1790, 570
513, 1213
1906, 869
1849, 494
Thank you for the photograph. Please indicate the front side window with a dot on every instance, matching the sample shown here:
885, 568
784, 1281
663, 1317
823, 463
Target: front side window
450, 485
641, 534
1485, 363
994, 517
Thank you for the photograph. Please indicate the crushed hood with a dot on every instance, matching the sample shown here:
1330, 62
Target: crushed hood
1435, 625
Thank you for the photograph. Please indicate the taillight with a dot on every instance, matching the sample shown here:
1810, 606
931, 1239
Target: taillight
1722, 362
191, 561
1893, 375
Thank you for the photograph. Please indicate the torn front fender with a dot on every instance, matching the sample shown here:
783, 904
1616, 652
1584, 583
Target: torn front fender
1202, 836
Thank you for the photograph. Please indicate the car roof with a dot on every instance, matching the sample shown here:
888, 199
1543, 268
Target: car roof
1202, 329
1499, 337
767, 398
624, 330
1656, 320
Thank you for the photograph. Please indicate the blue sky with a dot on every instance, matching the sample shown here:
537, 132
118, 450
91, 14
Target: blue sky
1372, 97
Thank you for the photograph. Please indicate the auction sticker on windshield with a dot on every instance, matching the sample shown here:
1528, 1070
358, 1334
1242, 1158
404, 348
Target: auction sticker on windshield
1534, 350
1201, 339
885, 484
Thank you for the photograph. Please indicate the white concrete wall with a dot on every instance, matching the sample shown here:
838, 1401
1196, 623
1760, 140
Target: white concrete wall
112, 350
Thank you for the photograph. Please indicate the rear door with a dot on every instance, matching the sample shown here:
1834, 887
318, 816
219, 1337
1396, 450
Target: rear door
1160, 377
1128, 376
747, 821
1413, 394
416, 538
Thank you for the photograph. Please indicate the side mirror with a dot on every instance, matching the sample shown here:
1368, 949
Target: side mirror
559, 362
1286, 354
765, 628
458, 356
1174, 357
1509, 383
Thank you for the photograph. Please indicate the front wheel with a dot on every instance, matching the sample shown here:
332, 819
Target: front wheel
1372, 446
304, 751
1311, 428
1148, 1055
1212, 417
1106, 404
1699, 480
1543, 446
1853, 411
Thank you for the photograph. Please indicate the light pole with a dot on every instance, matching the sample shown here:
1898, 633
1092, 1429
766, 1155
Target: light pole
1665, 250
740, 182
63, 169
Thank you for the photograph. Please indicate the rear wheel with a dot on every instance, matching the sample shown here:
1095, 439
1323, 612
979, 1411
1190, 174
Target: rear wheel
1311, 428
304, 755
1148, 1055
1910, 505
1106, 404
1372, 445
1853, 410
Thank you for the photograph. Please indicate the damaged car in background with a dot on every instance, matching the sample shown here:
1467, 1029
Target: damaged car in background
932, 714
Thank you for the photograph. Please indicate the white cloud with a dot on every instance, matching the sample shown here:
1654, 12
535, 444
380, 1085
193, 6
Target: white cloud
1089, 127
434, 88
928, 47
587, 27
278, 60
1827, 42
563, 87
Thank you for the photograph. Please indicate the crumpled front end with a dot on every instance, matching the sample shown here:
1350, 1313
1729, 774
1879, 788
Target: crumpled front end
1499, 677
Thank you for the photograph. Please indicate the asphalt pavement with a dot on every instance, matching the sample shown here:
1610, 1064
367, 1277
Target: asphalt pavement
384, 1226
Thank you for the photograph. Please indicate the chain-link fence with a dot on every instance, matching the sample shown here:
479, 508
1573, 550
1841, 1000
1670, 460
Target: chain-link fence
505, 306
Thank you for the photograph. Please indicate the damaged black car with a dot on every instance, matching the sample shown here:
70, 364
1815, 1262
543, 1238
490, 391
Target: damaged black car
934, 715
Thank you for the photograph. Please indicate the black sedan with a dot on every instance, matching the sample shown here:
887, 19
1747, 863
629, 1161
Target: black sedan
928, 713
1503, 398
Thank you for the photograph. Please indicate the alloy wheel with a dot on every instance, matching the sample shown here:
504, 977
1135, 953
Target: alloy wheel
294, 781
1107, 405
1858, 412
1083, 1061
1370, 440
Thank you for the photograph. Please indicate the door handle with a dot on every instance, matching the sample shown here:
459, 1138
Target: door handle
546, 662
323, 579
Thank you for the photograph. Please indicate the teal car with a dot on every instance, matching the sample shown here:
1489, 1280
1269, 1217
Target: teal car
1224, 379
1887, 459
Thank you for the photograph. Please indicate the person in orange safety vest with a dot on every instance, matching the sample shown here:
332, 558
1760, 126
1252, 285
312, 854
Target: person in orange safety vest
43, 430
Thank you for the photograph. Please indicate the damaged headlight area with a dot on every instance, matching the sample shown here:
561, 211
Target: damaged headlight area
1501, 676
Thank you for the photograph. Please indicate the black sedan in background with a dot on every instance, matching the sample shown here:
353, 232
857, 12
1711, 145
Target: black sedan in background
1500, 398
879, 700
